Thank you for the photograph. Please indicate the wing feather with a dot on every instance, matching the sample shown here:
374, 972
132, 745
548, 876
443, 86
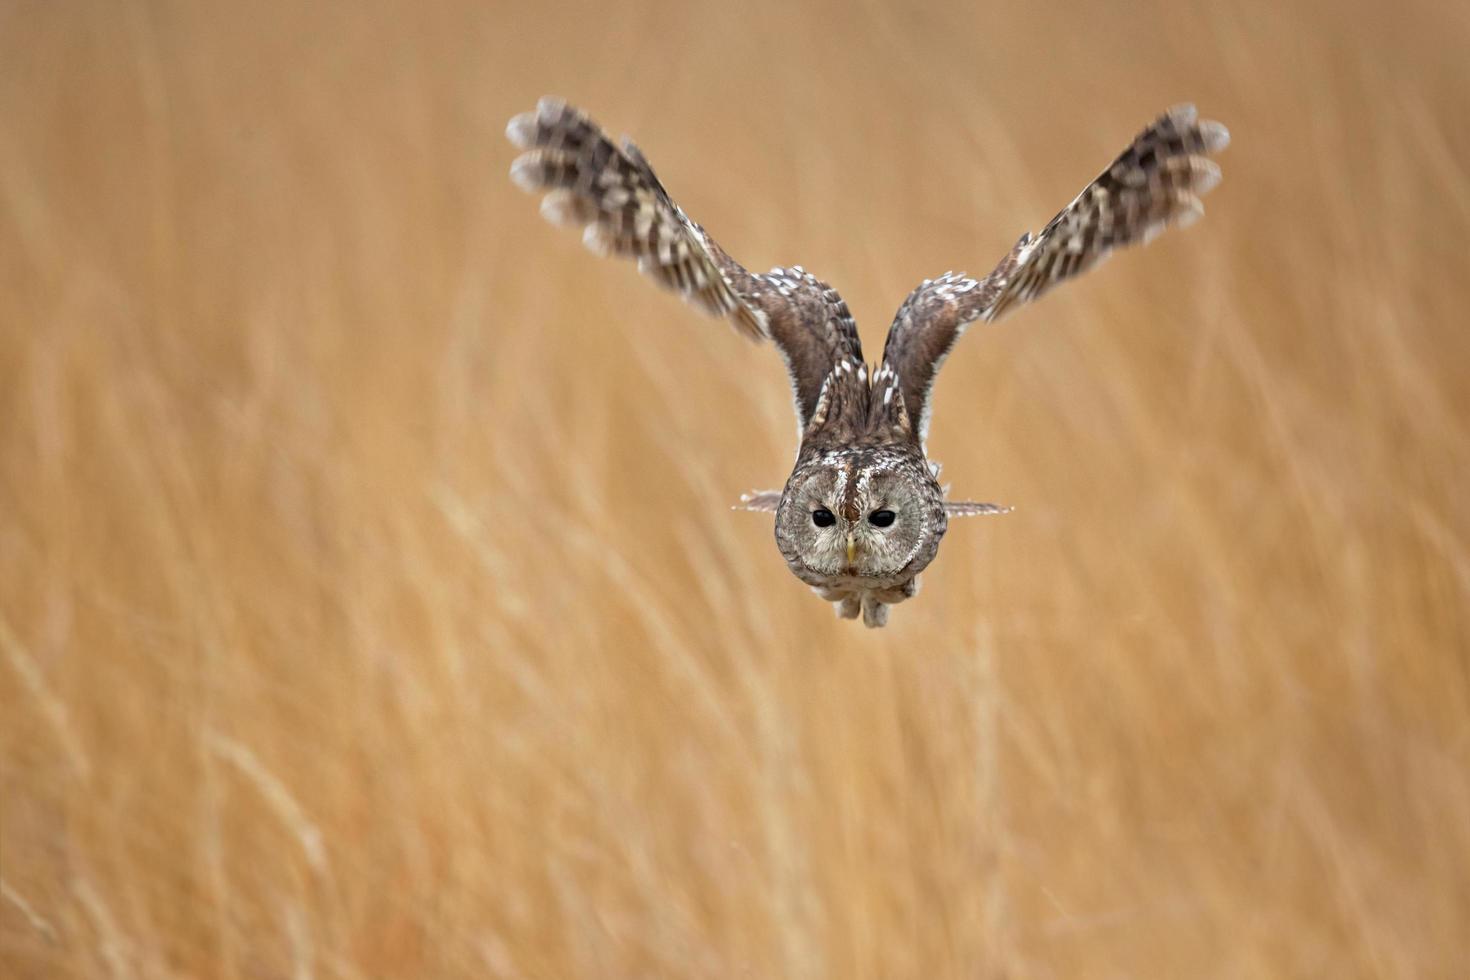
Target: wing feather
612, 193
1156, 183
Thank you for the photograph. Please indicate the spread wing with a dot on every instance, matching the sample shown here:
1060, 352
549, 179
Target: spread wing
1154, 184
612, 193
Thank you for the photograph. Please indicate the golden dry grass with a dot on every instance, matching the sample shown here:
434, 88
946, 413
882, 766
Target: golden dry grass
370, 604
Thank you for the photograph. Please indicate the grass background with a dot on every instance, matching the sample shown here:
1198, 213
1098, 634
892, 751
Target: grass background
370, 601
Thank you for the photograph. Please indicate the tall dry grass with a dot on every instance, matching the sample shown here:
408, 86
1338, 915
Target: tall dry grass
370, 604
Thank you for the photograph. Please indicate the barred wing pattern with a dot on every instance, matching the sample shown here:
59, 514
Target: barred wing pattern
1154, 184
612, 193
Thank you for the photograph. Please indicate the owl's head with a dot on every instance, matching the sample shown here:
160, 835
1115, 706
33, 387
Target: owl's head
859, 514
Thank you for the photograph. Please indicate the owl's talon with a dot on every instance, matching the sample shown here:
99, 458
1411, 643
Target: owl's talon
875, 613
847, 607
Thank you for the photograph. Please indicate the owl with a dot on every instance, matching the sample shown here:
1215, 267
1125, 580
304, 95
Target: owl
862, 513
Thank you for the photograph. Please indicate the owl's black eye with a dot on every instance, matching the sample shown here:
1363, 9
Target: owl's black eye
881, 518
822, 517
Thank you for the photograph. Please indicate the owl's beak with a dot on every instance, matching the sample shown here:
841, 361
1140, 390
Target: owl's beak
851, 551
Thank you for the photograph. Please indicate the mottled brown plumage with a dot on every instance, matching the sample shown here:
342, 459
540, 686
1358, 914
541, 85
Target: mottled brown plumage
862, 513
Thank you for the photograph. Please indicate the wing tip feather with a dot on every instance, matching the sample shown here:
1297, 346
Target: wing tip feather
1214, 135
562, 207
521, 130
525, 173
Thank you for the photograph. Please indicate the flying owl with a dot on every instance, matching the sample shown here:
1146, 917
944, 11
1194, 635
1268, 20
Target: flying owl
862, 513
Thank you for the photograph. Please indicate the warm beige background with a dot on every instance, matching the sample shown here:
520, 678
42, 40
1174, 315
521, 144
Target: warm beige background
370, 604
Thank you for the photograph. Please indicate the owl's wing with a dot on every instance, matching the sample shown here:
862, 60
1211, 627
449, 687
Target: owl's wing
1154, 184
760, 500
612, 193
969, 508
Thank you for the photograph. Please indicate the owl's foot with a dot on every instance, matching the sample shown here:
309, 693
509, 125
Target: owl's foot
845, 604
847, 607
898, 593
876, 602
875, 613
